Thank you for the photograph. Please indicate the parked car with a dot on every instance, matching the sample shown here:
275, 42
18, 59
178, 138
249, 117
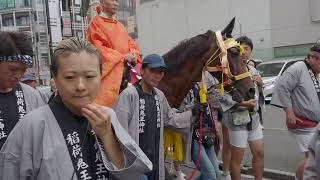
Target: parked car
257, 62
270, 71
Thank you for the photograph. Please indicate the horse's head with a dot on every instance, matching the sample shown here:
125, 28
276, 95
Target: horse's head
239, 82
227, 66
187, 61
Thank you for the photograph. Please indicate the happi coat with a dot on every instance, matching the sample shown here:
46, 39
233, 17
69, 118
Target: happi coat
36, 150
295, 89
127, 110
27, 99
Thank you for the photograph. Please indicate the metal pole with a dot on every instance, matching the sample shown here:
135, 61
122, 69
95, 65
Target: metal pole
82, 27
73, 19
82, 24
47, 24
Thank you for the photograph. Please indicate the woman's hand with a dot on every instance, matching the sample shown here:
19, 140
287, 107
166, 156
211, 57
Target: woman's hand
99, 120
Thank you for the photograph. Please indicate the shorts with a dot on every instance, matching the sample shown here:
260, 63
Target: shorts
240, 138
302, 140
173, 145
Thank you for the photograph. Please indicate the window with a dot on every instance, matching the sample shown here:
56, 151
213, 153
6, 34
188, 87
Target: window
6, 4
22, 19
7, 20
41, 16
126, 4
271, 69
77, 2
291, 51
65, 5
44, 65
78, 18
43, 39
23, 3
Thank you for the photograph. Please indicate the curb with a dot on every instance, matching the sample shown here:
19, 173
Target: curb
271, 173
268, 173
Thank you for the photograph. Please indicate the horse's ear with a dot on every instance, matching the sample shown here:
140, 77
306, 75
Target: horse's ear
228, 30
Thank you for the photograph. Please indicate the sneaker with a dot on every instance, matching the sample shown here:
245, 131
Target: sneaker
225, 176
180, 176
177, 173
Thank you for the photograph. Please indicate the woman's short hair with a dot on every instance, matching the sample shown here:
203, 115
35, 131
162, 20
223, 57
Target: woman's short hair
70, 46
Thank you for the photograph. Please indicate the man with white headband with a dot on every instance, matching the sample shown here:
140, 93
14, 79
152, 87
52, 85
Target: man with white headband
16, 99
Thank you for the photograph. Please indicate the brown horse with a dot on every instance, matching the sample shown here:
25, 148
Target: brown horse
186, 61
185, 64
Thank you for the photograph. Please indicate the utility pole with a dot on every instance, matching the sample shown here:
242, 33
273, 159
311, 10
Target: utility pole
73, 19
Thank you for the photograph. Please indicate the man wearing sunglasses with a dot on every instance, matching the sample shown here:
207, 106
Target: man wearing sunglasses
297, 92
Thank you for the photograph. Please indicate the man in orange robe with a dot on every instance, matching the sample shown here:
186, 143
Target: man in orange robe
116, 48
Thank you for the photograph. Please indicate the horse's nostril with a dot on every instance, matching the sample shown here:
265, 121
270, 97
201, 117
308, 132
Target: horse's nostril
252, 90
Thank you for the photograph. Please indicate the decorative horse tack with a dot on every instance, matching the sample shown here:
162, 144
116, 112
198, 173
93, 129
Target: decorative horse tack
223, 45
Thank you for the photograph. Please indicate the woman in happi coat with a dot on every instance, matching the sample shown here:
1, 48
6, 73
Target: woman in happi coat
72, 138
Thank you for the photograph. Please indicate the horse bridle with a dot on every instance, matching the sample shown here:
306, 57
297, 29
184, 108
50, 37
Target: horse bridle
224, 45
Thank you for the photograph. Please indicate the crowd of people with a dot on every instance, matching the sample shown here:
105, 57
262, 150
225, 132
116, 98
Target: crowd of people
85, 128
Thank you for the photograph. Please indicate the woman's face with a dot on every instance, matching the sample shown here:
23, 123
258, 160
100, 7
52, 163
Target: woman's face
78, 80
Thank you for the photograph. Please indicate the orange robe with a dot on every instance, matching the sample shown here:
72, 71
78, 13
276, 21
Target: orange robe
113, 42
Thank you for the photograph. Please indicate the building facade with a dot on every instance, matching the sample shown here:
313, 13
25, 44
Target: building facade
126, 15
50, 21
278, 29
29, 16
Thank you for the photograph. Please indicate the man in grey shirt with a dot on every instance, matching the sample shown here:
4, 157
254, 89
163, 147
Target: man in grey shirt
297, 92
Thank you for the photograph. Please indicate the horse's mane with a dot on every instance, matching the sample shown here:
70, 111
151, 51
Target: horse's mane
186, 49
